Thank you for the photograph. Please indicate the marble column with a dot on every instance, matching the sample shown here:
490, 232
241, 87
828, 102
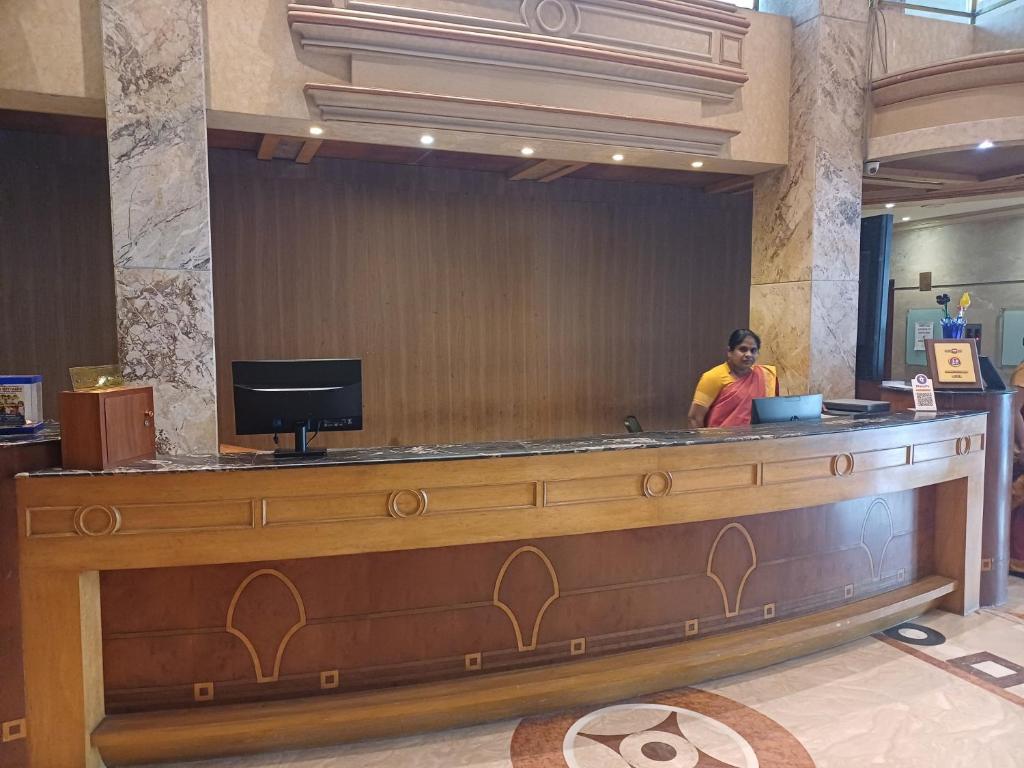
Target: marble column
160, 213
806, 238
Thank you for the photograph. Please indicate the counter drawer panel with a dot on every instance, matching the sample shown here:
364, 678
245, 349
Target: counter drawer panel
472, 498
298, 510
948, 449
104, 520
714, 478
592, 489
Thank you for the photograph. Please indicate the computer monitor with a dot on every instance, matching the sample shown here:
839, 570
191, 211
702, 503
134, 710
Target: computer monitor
768, 410
273, 396
991, 375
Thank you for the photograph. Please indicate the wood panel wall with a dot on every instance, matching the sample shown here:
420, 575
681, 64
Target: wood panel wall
57, 279
481, 308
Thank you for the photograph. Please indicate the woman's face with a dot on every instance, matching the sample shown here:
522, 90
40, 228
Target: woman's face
742, 358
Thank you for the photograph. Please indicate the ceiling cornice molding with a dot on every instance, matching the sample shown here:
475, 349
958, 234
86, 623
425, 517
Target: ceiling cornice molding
515, 120
692, 48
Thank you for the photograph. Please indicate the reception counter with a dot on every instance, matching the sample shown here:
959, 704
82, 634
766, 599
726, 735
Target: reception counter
17, 454
202, 606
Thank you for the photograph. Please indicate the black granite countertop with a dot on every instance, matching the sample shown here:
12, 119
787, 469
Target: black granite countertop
596, 443
50, 431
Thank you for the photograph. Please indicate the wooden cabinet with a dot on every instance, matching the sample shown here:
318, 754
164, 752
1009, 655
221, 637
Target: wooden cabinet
106, 428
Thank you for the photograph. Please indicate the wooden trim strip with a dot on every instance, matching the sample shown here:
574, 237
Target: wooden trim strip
251, 728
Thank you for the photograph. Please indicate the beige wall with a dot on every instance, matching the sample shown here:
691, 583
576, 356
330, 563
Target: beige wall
983, 255
255, 74
1000, 29
914, 41
51, 48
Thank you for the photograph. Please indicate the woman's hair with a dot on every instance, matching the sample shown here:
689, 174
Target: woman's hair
736, 338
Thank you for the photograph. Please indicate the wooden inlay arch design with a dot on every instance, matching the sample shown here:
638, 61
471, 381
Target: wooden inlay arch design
554, 594
735, 604
876, 533
261, 677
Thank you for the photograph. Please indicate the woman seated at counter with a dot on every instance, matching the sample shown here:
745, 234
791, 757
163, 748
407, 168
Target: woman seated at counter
724, 393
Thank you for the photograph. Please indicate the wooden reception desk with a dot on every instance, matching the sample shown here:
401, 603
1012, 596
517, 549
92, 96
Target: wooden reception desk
196, 607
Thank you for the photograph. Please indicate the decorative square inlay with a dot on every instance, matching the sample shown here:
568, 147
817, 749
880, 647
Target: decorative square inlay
578, 646
848, 591
474, 662
13, 730
329, 679
769, 611
202, 692
986, 564
692, 627
991, 668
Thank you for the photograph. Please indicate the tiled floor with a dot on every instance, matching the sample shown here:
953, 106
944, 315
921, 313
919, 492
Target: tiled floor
944, 692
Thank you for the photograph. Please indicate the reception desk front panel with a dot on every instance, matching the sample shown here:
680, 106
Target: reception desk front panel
236, 607
258, 631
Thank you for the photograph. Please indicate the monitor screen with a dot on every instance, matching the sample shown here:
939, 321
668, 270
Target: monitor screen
767, 410
277, 396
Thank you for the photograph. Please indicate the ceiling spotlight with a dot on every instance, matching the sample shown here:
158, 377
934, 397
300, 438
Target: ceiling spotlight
986, 144
426, 139
618, 158
890, 205
316, 130
697, 164
527, 151
905, 218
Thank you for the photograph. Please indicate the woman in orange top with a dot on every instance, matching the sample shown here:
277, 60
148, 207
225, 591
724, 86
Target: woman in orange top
1017, 490
724, 394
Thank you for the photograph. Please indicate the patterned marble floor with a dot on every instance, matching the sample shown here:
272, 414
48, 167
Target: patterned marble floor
942, 691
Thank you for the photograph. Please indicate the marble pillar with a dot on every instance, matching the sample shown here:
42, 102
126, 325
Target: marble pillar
806, 236
160, 213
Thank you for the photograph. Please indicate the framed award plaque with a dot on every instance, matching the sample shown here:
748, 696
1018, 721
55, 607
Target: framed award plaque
953, 363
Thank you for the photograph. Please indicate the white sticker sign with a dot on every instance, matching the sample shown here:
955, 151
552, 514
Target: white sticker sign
922, 332
924, 393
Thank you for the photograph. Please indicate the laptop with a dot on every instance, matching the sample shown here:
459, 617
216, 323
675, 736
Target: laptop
770, 410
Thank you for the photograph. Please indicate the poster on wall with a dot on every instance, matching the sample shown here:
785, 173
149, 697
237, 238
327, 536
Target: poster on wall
922, 332
922, 324
1012, 352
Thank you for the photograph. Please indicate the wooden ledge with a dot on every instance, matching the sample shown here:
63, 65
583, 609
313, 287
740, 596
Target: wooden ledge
251, 728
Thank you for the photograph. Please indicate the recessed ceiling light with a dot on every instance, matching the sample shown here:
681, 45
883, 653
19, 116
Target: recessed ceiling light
426, 139
986, 144
618, 158
697, 164
905, 218
890, 205
527, 151
316, 130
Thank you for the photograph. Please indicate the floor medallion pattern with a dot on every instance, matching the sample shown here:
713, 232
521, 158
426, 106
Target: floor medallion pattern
687, 728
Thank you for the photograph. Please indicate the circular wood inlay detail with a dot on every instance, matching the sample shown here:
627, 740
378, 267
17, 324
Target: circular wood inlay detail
842, 465
657, 484
684, 728
407, 503
97, 520
963, 445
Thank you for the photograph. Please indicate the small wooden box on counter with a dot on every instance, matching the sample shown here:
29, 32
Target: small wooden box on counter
106, 428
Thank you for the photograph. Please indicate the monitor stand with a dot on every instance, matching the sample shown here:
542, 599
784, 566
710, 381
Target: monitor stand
302, 449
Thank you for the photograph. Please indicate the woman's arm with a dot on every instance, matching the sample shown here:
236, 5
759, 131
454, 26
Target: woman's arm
1017, 380
698, 413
